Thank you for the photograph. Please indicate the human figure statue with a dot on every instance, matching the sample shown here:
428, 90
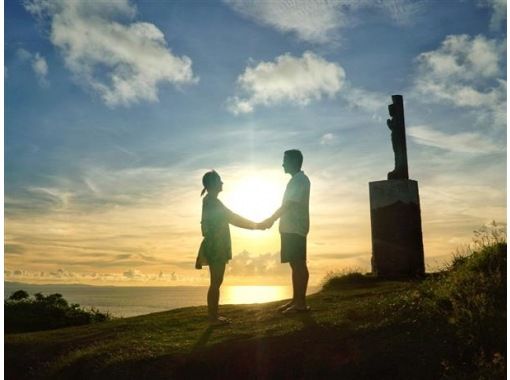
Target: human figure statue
398, 138
294, 218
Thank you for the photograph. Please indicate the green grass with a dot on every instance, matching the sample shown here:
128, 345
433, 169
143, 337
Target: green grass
452, 325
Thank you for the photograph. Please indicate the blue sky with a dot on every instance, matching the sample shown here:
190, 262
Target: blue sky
114, 110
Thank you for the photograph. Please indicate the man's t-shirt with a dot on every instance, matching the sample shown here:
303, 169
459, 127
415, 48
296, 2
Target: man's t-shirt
296, 220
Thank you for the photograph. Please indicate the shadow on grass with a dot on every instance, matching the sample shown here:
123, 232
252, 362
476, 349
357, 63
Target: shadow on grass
203, 339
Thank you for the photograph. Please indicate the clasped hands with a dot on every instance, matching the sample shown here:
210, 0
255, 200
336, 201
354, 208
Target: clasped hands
264, 225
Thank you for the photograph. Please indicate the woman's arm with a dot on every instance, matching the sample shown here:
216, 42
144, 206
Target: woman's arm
239, 221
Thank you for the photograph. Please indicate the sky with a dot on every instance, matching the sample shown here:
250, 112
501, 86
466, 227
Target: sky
113, 111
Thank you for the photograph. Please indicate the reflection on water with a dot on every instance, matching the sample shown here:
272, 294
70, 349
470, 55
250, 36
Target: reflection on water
254, 294
131, 301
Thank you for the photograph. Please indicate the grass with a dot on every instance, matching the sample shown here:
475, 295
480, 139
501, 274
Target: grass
452, 325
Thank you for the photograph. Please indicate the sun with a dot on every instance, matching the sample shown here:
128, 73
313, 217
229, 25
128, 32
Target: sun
253, 197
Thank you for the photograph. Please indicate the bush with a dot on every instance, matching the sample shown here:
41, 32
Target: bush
335, 280
24, 314
471, 298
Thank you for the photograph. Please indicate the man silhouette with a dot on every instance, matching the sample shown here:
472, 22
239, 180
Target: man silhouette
294, 217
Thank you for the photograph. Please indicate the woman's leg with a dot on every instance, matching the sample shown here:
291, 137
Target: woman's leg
217, 270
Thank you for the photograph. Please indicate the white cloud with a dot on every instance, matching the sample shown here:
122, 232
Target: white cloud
287, 79
40, 67
299, 80
465, 142
23, 54
39, 64
123, 62
465, 72
327, 139
364, 99
320, 20
498, 12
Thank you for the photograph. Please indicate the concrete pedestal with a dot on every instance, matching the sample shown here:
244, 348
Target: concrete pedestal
397, 243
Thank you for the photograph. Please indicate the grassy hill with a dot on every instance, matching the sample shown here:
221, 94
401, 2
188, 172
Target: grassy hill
452, 325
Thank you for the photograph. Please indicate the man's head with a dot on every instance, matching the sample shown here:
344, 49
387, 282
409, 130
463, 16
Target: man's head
292, 161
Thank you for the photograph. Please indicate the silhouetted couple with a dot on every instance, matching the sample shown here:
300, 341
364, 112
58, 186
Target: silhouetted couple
216, 248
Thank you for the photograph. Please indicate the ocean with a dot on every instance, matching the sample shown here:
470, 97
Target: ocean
132, 301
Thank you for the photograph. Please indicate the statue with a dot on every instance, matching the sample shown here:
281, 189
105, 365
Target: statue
398, 138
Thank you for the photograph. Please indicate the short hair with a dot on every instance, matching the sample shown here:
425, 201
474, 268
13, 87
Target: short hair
295, 156
208, 179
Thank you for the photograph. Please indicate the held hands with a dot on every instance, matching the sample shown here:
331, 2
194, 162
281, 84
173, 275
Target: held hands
264, 225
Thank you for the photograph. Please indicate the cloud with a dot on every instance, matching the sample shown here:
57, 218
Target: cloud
363, 99
39, 65
54, 196
498, 12
63, 276
465, 142
328, 139
299, 80
133, 274
123, 62
287, 80
466, 72
246, 264
23, 54
14, 249
319, 21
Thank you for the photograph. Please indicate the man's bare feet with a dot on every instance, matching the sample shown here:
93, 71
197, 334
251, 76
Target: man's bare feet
286, 306
295, 310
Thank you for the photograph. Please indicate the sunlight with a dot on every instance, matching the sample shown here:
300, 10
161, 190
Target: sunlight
254, 294
254, 197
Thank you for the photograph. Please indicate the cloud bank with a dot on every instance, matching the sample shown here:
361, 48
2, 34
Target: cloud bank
121, 60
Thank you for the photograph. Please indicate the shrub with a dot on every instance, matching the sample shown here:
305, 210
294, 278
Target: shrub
23, 313
335, 280
471, 298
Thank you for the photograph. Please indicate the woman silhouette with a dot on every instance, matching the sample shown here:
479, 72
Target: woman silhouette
216, 248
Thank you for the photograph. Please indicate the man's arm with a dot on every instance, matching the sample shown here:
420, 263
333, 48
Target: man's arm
278, 213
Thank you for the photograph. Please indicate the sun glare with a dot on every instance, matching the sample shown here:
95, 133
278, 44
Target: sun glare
254, 294
254, 198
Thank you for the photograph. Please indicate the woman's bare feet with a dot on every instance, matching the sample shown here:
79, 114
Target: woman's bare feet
219, 321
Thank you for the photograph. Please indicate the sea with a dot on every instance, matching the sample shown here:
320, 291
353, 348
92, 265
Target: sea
122, 301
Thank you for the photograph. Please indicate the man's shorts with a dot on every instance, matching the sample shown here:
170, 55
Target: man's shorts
293, 248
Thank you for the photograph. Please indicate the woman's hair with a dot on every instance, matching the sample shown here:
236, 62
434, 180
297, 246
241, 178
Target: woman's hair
208, 179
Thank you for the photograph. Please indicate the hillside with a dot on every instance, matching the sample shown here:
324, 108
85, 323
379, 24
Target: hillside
358, 328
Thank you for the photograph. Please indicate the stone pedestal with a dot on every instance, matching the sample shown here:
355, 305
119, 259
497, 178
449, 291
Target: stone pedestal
397, 243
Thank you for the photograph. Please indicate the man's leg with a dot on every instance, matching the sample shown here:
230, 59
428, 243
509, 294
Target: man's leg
300, 277
213, 295
293, 300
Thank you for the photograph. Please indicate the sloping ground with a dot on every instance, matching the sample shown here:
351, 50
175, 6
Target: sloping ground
452, 326
349, 333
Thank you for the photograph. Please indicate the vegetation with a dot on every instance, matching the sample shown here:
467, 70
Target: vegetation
24, 313
451, 325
